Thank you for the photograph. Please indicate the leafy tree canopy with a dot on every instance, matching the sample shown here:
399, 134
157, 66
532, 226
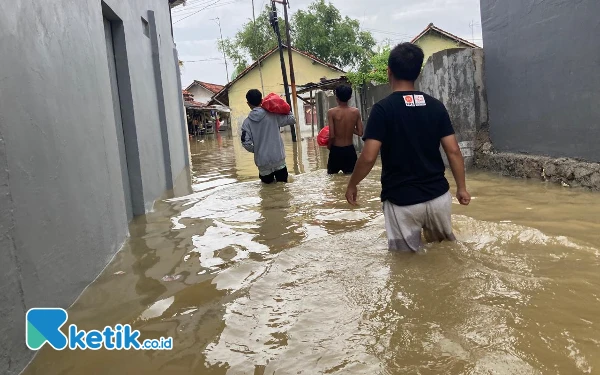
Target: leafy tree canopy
375, 70
320, 30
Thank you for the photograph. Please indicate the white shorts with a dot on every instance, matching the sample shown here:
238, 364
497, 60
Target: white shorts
404, 224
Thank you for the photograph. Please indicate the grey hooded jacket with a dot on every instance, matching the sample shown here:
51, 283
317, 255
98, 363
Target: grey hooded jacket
260, 135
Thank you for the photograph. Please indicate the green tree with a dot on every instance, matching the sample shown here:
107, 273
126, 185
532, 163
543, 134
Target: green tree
374, 70
320, 30
253, 40
234, 54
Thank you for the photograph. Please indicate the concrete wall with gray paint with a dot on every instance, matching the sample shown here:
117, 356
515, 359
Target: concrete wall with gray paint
76, 165
455, 77
542, 76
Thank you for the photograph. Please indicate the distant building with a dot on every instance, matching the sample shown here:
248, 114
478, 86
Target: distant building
433, 39
307, 68
203, 91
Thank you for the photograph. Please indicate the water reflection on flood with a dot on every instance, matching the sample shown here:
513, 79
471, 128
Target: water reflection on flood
287, 279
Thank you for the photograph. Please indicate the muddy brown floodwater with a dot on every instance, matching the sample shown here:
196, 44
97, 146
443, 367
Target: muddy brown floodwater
288, 279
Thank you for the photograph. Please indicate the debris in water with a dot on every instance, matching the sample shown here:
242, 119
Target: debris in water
171, 278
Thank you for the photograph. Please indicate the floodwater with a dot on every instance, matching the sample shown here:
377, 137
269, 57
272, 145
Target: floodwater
288, 279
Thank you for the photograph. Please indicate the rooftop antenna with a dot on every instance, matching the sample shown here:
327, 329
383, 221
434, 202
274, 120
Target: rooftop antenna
218, 21
262, 85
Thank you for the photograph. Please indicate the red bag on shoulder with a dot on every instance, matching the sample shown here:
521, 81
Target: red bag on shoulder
323, 137
275, 104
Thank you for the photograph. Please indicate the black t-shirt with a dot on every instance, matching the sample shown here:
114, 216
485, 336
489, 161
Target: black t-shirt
410, 125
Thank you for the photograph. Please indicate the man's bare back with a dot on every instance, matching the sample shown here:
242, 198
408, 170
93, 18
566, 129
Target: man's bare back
344, 122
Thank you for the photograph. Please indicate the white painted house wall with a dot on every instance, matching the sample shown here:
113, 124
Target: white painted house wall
201, 94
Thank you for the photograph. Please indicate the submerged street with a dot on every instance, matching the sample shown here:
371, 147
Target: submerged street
289, 279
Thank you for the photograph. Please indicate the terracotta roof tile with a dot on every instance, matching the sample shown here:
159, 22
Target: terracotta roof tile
212, 87
195, 104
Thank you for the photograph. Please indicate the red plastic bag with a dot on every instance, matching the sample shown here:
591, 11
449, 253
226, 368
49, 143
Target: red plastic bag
275, 104
323, 137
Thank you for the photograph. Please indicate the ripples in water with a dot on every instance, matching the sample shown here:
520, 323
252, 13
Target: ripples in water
287, 279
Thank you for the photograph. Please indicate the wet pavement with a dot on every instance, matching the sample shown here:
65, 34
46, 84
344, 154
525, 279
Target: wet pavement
288, 279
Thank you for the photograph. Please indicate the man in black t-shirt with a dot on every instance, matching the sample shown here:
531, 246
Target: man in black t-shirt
408, 127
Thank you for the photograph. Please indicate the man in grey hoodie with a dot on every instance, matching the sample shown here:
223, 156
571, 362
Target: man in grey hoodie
260, 135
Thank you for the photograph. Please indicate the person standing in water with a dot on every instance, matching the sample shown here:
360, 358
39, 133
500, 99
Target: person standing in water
344, 121
408, 127
260, 135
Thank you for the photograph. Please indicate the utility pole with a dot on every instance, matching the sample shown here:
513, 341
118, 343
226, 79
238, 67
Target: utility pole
262, 84
275, 24
218, 21
289, 45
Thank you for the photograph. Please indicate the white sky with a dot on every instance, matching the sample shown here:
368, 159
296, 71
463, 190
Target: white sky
398, 20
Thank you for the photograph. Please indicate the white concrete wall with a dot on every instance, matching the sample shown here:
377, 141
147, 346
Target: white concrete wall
454, 76
201, 94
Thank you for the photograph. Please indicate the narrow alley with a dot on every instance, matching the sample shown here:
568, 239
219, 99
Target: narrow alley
288, 279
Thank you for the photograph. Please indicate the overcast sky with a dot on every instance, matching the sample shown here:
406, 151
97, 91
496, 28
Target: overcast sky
196, 36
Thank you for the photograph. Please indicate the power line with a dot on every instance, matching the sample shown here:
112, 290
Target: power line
212, 6
189, 7
189, 10
215, 4
209, 6
181, 19
387, 32
191, 2
203, 60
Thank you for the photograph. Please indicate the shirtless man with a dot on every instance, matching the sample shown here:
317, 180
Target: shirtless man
344, 122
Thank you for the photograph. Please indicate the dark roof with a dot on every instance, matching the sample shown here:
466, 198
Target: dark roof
434, 28
212, 87
174, 3
324, 84
266, 55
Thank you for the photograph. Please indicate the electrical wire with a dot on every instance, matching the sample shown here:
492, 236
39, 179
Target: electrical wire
203, 60
181, 19
393, 33
216, 4
189, 8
